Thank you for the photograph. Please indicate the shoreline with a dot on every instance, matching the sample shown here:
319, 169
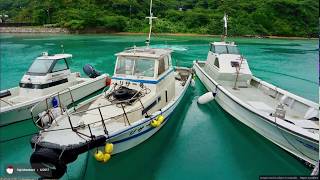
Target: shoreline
50, 30
217, 36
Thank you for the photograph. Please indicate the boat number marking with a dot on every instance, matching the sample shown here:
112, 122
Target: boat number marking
308, 145
137, 129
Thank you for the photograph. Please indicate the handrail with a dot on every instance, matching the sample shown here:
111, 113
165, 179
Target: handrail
72, 99
102, 120
95, 122
125, 114
51, 96
118, 102
56, 94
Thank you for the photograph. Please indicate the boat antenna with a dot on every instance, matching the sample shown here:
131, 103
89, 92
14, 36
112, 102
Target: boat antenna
62, 48
150, 24
225, 27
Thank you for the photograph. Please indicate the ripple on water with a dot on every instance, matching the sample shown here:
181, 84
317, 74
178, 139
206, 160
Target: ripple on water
49, 44
173, 47
287, 50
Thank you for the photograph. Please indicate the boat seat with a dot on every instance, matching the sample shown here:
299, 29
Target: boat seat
306, 124
261, 106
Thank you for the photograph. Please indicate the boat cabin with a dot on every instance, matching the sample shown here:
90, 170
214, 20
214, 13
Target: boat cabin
225, 64
146, 68
47, 71
224, 48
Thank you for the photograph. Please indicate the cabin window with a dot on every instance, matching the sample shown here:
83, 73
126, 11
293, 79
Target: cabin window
60, 65
161, 67
134, 66
216, 62
166, 62
233, 50
124, 66
212, 48
40, 66
221, 49
144, 67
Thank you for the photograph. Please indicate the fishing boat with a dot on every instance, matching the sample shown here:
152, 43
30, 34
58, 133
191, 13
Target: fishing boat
145, 90
287, 120
47, 75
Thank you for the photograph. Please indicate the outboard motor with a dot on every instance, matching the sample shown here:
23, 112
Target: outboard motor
90, 71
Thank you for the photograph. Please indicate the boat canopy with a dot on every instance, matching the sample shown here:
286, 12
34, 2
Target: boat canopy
45, 56
224, 48
49, 64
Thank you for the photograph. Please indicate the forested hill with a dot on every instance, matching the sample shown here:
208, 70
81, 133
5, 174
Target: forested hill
246, 17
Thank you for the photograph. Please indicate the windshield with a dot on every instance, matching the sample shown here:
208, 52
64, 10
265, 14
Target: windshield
60, 65
233, 50
136, 67
40, 66
144, 67
222, 49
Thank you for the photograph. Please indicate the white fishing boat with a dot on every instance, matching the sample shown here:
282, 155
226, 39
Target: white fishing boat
48, 75
287, 120
144, 91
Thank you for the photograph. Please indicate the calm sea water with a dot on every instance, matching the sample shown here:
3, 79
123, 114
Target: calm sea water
198, 142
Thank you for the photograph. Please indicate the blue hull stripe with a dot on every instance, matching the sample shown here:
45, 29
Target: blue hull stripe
144, 81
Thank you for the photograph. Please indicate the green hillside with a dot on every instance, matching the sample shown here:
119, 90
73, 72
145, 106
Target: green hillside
246, 17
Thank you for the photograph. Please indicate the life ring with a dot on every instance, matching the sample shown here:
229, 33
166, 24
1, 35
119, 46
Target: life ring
47, 164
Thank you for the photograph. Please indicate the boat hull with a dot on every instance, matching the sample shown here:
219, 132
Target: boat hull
298, 145
138, 133
21, 112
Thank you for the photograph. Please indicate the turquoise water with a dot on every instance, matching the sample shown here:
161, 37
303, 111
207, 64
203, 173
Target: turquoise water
198, 142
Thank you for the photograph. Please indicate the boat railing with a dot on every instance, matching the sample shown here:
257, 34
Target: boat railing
37, 109
102, 120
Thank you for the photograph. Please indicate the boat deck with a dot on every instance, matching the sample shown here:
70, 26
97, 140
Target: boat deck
112, 124
267, 104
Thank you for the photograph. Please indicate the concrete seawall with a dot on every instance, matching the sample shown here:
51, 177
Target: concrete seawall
32, 30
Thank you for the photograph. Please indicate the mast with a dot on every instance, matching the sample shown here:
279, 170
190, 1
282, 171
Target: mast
225, 27
150, 24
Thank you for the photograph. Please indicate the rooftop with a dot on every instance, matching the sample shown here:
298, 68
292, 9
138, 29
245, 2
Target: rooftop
145, 52
55, 56
224, 43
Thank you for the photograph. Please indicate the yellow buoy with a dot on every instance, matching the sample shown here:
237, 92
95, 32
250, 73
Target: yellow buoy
160, 119
99, 156
108, 148
154, 123
106, 157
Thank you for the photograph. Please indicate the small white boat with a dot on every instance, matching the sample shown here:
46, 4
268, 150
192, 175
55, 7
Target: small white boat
48, 75
287, 120
145, 90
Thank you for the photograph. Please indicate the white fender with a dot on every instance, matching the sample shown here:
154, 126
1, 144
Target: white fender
193, 83
207, 97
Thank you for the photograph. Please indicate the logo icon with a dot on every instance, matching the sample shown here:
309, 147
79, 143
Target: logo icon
10, 169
